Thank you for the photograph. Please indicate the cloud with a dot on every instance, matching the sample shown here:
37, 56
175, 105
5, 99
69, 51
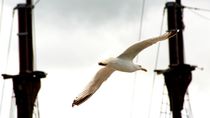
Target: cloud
57, 47
73, 29
96, 11
92, 12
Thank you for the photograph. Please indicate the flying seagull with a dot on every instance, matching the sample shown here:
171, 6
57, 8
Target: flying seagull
124, 63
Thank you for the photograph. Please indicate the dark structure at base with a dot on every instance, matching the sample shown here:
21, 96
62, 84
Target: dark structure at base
177, 80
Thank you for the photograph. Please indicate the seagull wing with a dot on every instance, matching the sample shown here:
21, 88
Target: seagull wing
93, 86
133, 50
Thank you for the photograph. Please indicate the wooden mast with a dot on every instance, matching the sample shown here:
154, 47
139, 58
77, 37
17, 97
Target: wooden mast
178, 76
26, 85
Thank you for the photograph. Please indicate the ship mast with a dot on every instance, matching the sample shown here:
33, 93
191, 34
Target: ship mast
27, 83
178, 76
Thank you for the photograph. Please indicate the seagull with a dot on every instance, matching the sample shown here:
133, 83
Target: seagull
123, 62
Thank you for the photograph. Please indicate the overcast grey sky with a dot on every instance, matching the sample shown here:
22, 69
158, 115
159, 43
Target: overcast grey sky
73, 35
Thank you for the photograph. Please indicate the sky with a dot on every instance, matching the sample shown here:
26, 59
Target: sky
72, 36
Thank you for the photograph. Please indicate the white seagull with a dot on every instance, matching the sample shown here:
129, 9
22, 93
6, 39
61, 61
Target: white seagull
124, 62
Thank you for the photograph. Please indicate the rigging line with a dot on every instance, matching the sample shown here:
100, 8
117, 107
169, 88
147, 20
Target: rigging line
1, 13
12, 106
137, 58
35, 55
34, 38
195, 8
36, 2
7, 59
141, 20
189, 104
140, 27
200, 15
10, 40
3, 87
37, 106
37, 114
38, 109
156, 63
165, 111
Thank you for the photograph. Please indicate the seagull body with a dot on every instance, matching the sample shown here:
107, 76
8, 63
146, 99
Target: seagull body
120, 64
124, 63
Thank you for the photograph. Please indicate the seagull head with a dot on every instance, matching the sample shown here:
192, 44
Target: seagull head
139, 67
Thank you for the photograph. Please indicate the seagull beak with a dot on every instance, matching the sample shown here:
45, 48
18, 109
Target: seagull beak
144, 69
102, 64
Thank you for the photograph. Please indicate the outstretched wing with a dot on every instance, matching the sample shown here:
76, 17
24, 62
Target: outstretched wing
93, 86
133, 50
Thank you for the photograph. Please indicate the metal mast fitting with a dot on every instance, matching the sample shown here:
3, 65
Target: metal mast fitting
178, 76
26, 85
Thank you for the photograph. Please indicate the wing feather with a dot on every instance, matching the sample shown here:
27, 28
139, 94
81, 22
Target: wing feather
133, 50
101, 76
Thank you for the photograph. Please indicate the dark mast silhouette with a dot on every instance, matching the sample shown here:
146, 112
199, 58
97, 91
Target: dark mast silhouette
178, 76
27, 83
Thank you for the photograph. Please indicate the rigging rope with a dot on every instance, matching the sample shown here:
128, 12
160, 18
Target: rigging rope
156, 62
10, 40
7, 59
200, 15
195, 8
137, 58
36, 2
141, 21
189, 105
1, 13
157, 55
34, 34
36, 109
165, 110
12, 106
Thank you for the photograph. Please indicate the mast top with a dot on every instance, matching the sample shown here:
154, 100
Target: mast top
29, 2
